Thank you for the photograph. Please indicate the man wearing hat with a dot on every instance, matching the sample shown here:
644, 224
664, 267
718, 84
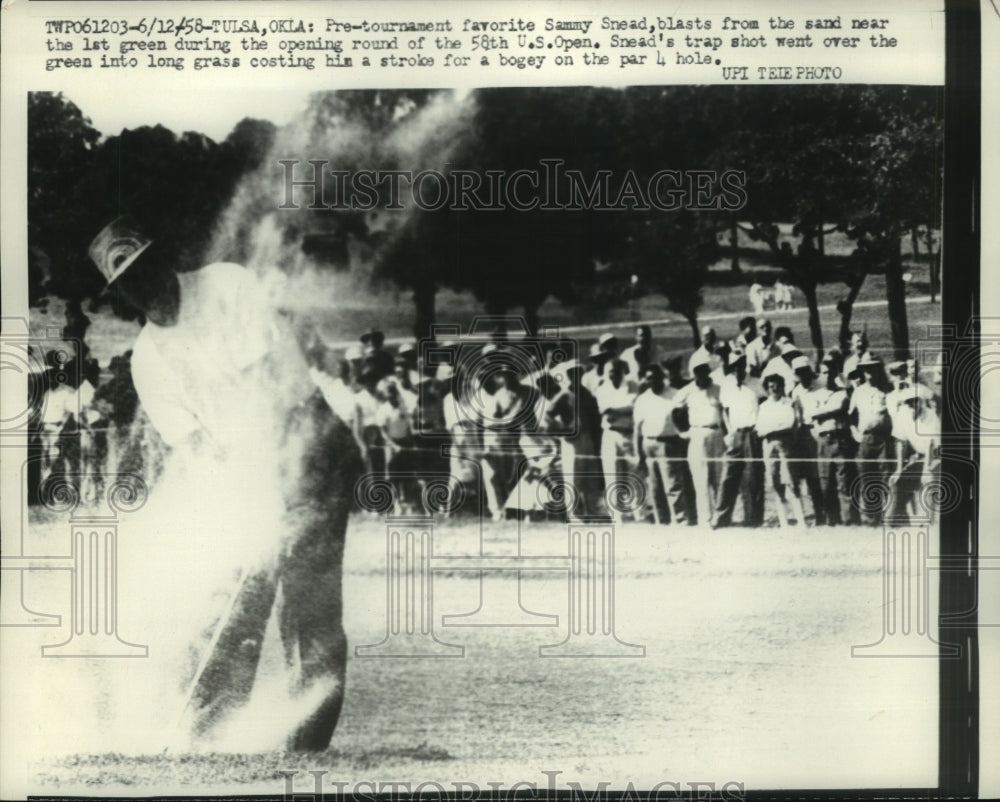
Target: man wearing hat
787, 350
777, 420
916, 435
660, 447
411, 361
707, 352
376, 358
608, 343
508, 409
701, 404
615, 399
824, 409
761, 348
742, 466
857, 349
902, 378
228, 389
598, 357
576, 420
805, 450
868, 408
748, 333
643, 354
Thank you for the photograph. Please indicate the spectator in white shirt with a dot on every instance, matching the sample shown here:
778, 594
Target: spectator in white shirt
857, 349
917, 435
594, 375
805, 451
699, 403
824, 408
868, 405
757, 298
742, 466
776, 422
576, 420
641, 355
615, 399
707, 352
394, 421
761, 348
660, 448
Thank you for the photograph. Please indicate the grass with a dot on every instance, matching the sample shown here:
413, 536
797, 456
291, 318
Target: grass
747, 672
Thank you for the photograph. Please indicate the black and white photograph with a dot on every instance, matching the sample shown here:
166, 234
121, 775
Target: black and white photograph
490, 440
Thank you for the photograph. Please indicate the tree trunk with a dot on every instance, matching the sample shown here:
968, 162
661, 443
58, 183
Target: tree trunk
734, 247
915, 242
933, 266
692, 319
820, 241
815, 326
424, 296
846, 307
895, 294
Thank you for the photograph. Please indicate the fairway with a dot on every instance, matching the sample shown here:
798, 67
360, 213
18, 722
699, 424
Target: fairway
747, 675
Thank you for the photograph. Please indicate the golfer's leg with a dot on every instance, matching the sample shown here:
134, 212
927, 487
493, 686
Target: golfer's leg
228, 676
311, 624
311, 575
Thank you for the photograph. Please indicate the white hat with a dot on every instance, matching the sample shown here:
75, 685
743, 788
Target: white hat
800, 363
913, 393
116, 247
698, 359
607, 339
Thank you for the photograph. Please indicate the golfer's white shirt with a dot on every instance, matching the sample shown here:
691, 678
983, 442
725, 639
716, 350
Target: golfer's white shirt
200, 375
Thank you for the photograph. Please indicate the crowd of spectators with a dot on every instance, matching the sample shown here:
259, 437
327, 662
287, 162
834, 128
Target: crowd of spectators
631, 432
846, 441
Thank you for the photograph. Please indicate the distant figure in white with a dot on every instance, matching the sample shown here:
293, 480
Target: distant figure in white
782, 295
757, 298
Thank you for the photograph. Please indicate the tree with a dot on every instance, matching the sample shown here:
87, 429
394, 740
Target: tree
672, 252
901, 154
508, 257
863, 161
61, 146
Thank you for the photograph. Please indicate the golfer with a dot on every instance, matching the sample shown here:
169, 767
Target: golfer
221, 382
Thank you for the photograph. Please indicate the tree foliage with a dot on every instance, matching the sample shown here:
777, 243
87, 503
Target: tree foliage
864, 161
